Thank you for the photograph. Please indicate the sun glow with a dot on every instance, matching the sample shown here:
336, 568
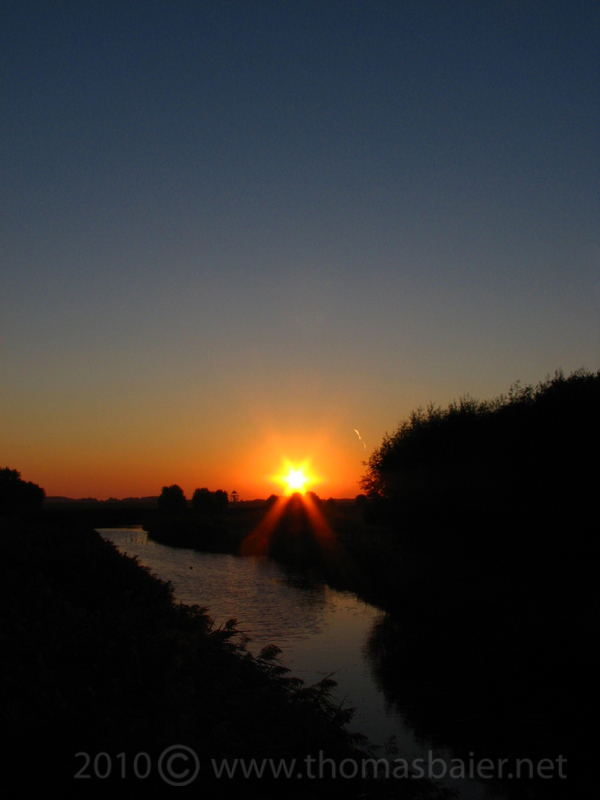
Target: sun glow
295, 478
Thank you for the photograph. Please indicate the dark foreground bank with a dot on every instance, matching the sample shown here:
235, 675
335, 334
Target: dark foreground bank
98, 660
488, 644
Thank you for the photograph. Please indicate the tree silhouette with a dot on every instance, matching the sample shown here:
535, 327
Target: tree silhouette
207, 502
201, 501
221, 500
533, 445
18, 496
172, 500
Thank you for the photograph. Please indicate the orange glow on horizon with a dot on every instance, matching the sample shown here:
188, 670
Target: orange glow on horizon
255, 463
260, 466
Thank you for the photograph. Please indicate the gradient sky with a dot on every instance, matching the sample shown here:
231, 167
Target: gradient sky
236, 232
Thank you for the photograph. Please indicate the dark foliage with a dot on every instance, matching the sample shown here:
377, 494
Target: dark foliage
172, 500
19, 496
485, 568
98, 658
206, 502
534, 447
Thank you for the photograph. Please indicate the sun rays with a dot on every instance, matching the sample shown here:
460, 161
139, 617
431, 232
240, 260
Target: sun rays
292, 523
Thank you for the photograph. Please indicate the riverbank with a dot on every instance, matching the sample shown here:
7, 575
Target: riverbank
487, 645
98, 659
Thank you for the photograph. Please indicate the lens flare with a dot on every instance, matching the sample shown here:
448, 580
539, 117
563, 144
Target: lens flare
295, 478
296, 481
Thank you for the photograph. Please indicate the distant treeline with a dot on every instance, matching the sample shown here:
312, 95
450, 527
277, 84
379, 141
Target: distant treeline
112, 501
533, 446
173, 501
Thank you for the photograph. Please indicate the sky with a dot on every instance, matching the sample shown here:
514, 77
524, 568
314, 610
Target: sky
236, 233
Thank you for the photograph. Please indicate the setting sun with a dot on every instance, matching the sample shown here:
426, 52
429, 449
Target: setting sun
295, 478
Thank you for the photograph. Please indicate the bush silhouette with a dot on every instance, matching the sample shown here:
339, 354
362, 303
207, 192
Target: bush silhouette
532, 446
207, 502
172, 500
16, 495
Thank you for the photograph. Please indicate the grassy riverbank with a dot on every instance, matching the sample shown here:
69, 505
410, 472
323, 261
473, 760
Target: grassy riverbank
97, 658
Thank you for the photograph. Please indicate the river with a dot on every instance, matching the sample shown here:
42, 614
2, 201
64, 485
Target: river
320, 631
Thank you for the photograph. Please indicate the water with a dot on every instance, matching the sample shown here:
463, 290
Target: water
319, 630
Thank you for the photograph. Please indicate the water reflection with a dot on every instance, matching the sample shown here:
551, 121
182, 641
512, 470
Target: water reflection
320, 631
452, 698
252, 590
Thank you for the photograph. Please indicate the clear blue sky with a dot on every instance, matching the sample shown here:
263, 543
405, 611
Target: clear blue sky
235, 232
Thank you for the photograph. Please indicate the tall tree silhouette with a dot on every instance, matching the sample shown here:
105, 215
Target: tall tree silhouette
172, 500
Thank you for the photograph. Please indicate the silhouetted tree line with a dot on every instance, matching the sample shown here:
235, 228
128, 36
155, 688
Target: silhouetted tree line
111, 501
16, 495
207, 502
535, 445
172, 501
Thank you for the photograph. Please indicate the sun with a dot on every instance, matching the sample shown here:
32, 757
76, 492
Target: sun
295, 478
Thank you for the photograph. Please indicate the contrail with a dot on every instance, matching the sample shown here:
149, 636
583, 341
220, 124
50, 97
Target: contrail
360, 437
